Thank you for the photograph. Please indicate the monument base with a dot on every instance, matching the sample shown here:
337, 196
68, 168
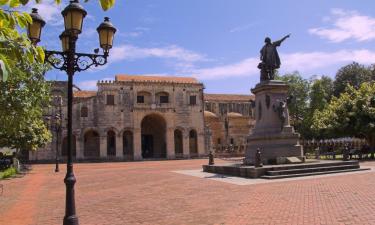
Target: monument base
272, 134
274, 148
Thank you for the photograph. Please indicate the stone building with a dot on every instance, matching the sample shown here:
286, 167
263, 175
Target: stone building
140, 117
229, 119
134, 118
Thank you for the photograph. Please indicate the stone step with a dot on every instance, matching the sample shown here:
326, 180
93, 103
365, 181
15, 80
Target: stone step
314, 165
311, 170
311, 174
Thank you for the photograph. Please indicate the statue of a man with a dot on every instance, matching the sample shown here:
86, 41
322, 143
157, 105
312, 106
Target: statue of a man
270, 58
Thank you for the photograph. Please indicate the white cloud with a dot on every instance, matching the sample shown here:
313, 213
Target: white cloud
245, 67
130, 52
49, 11
305, 62
242, 28
347, 25
91, 84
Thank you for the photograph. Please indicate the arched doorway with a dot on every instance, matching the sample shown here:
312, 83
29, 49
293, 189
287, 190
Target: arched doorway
127, 143
193, 143
91, 144
111, 143
178, 143
64, 147
153, 136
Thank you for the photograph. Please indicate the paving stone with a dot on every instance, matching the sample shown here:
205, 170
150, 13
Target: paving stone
152, 193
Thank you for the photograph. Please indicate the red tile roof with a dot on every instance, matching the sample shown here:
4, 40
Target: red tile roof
156, 79
84, 94
228, 97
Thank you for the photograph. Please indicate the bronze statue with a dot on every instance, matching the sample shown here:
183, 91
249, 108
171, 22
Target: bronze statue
281, 109
270, 58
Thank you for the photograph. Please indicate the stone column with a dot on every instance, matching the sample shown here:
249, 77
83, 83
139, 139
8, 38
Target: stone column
201, 148
119, 146
185, 143
103, 146
79, 147
137, 144
170, 143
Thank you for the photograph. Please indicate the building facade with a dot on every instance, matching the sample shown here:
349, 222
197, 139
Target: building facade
230, 120
140, 117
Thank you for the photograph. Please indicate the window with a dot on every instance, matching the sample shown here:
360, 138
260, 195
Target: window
140, 99
232, 141
219, 141
84, 111
163, 99
110, 99
193, 100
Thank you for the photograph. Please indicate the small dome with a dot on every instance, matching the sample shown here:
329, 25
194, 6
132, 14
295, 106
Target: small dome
234, 115
209, 114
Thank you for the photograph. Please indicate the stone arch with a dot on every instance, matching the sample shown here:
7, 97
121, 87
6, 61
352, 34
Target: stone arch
64, 147
147, 97
111, 143
178, 143
91, 144
193, 143
162, 97
153, 136
127, 144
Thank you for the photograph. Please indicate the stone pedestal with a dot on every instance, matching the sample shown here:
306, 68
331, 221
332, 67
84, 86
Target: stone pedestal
272, 134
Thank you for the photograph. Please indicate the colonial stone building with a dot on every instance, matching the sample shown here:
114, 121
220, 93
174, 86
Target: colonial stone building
140, 117
230, 120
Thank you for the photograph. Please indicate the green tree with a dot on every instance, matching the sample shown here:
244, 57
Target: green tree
24, 93
351, 114
353, 74
321, 93
299, 90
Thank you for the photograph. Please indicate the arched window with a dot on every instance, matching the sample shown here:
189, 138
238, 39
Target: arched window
111, 143
178, 143
84, 111
91, 147
162, 97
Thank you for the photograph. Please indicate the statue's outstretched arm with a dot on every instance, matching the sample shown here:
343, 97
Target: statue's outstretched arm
278, 43
283, 39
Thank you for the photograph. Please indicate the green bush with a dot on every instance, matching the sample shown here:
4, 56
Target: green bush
8, 173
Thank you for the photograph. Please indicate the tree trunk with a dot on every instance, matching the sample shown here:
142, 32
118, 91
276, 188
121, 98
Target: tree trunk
371, 141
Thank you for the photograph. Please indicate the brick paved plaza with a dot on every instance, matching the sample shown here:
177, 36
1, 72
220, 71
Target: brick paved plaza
151, 193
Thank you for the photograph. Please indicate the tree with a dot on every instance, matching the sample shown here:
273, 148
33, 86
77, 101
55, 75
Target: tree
353, 74
351, 114
24, 93
298, 107
320, 93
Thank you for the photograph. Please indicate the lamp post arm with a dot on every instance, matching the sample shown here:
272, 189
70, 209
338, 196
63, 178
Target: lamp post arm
82, 61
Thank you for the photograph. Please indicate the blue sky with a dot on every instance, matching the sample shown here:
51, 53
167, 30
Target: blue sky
218, 41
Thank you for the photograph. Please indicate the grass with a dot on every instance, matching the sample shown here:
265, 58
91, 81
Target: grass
8, 173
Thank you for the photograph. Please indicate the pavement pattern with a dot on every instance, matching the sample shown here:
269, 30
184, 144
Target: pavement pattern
160, 192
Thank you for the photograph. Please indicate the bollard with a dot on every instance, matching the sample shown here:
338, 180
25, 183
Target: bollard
345, 154
258, 159
211, 158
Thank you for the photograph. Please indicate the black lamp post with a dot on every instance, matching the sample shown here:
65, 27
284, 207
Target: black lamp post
70, 61
57, 128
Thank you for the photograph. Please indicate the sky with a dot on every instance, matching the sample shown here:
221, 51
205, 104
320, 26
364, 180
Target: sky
218, 41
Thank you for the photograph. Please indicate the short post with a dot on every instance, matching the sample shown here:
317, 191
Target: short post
211, 158
345, 154
258, 159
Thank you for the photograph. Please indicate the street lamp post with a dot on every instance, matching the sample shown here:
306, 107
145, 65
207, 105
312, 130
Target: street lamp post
58, 125
70, 62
